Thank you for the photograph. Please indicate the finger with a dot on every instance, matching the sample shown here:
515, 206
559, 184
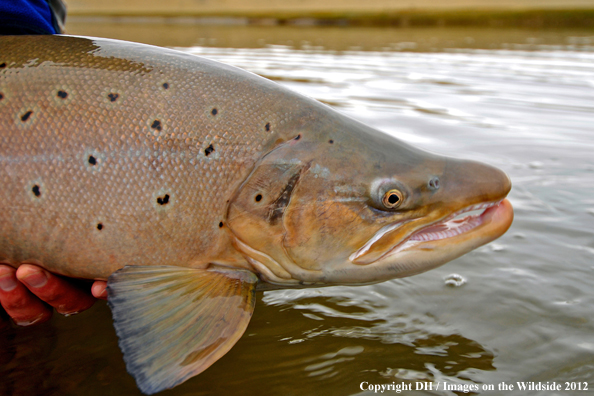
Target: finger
64, 295
99, 290
22, 306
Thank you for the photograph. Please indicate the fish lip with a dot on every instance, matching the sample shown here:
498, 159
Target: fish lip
472, 222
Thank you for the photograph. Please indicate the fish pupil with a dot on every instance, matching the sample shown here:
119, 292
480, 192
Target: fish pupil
393, 199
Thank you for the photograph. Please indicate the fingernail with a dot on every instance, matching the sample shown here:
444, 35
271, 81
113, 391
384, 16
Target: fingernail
69, 313
7, 283
99, 291
36, 279
30, 322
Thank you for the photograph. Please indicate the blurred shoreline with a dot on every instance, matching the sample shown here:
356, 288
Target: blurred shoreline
338, 38
398, 13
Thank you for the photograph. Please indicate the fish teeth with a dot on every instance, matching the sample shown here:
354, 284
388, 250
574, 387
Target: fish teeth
484, 205
452, 232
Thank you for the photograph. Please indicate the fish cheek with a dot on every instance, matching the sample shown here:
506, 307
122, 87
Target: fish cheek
323, 227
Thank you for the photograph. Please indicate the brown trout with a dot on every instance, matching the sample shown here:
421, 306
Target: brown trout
188, 184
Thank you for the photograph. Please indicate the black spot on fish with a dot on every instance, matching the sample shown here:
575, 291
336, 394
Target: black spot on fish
157, 125
221, 224
258, 197
331, 141
2, 65
268, 127
62, 94
36, 191
113, 96
1, 96
277, 208
26, 116
92, 160
214, 111
298, 137
209, 150
99, 226
165, 86
164, 200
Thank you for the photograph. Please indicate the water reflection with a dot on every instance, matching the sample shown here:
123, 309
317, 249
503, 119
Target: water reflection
293, 346
61, 357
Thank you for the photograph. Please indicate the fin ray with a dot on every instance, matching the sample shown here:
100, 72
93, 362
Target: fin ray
174, 322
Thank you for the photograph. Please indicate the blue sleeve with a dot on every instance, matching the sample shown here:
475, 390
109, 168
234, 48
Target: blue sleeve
26, 17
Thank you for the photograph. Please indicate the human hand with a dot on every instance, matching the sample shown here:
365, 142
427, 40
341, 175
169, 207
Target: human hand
29, 293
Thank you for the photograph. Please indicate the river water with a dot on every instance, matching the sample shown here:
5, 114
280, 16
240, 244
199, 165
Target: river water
517, 310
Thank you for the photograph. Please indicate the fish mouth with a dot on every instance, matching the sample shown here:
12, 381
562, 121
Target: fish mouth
488, 221
453, 225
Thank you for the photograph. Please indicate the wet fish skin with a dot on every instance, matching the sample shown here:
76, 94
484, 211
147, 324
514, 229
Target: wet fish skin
121, 154
188, 183
117, 154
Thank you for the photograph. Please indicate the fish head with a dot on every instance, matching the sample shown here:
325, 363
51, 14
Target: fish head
347, 204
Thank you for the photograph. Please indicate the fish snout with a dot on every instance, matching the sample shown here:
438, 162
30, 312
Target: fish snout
468, 182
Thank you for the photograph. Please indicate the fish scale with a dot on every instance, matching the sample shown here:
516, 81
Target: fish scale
148, 141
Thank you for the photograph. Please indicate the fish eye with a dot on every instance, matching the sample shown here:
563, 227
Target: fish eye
392, 199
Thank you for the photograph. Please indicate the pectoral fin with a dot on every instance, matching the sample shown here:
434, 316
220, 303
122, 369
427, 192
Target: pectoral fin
174, 322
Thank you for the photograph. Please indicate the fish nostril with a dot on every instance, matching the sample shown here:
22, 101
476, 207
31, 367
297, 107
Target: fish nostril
434, 183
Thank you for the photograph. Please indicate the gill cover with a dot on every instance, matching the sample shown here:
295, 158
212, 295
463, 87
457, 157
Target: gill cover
301, 212
256, 212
